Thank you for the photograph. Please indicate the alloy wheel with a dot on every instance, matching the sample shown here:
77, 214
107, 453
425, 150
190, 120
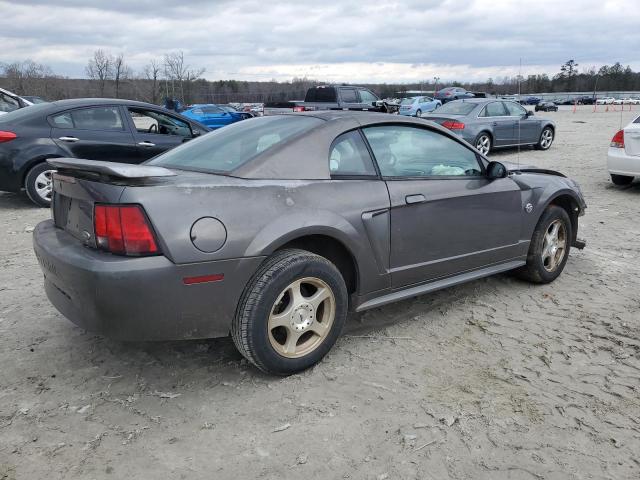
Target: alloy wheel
301, 318
554, 245
547, 138
483, 144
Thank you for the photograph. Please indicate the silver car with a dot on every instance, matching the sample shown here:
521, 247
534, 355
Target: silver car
273, 228
494, 123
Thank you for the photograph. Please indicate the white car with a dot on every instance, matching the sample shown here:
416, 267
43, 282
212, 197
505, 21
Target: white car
623, 158
10, 101
605, 101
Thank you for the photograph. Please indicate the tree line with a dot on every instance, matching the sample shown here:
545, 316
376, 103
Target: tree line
172, 76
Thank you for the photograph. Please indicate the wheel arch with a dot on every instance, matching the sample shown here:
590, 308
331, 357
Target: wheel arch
333, 250
26, 168
570, 204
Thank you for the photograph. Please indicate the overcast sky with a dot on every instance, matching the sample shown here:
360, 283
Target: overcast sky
332, 40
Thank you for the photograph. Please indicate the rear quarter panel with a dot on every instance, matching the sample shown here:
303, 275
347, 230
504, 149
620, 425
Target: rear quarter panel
262, 215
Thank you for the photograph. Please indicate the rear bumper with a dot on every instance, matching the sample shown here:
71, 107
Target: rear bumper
138, 298
621, 163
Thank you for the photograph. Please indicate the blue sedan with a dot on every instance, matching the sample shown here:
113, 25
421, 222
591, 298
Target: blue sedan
416, 106
213, 116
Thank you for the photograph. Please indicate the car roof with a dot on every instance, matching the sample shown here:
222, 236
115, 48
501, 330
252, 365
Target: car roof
80, 102
293, 159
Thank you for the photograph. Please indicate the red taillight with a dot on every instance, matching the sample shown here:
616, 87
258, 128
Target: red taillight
618, 140
448, 94
298, 108
123, 230
6, 136
453, 125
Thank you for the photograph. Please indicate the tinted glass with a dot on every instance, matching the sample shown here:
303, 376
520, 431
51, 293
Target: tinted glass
349, 156
494, 109
348, 95
92, 118
150, 121
415, 152
321, 94
228, 148
367, 97
457, 108
212, 109
514, 110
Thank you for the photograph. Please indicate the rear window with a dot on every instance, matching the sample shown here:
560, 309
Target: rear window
321, 94
226, 149
23, 113
457, 108
407, 101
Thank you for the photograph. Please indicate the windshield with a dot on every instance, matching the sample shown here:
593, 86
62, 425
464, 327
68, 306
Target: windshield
407, 101
224, 150
457, 108
22, 113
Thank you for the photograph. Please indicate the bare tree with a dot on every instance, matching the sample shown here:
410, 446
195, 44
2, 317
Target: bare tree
100, 68
27, 78
121, 71
151, 71
178, 72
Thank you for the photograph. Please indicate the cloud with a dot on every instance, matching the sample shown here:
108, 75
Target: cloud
346, 40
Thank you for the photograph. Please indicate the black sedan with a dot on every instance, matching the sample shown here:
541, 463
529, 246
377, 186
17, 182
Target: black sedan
546, 107
98, 129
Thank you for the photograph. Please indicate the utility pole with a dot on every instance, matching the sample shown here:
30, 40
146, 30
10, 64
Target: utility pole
435, 85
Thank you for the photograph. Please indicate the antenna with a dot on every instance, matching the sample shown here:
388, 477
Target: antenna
519, 98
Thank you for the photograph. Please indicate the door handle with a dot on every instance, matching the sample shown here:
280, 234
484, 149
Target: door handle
495, 124
146, 144
69, 139
417, 198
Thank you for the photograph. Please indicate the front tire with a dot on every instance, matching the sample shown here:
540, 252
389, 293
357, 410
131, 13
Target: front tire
483, 143
549, 248
546, 139
621, 180
291, 312
39, 184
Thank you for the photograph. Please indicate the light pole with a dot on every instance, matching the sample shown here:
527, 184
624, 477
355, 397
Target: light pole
435, 85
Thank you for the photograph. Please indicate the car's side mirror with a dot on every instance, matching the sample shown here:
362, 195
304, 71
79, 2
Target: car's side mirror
496, 170
528, 114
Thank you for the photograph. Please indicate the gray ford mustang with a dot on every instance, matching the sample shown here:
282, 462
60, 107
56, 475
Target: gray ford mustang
490, 123
272, 229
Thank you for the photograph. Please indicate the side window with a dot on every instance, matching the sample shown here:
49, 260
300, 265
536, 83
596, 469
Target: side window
348, 95
493, 109
349, 156
367, 97
212, 109
151, 121
62, 120
403, 151
92, 118
514, 110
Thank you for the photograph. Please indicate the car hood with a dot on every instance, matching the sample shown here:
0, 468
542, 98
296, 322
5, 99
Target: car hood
515, 167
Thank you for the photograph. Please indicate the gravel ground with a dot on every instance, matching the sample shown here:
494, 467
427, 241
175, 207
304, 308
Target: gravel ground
495, 379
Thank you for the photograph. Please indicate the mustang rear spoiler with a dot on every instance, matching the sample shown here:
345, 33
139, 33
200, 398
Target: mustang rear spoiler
111, 169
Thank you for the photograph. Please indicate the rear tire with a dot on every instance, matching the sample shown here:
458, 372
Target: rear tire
483, 143
549, 248
621, 179
546, 139
291, 312
39, 184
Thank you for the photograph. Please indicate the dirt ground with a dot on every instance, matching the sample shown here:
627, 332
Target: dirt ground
495, 379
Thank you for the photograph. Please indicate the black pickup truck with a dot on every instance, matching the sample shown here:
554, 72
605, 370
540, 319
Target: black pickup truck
342, 97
